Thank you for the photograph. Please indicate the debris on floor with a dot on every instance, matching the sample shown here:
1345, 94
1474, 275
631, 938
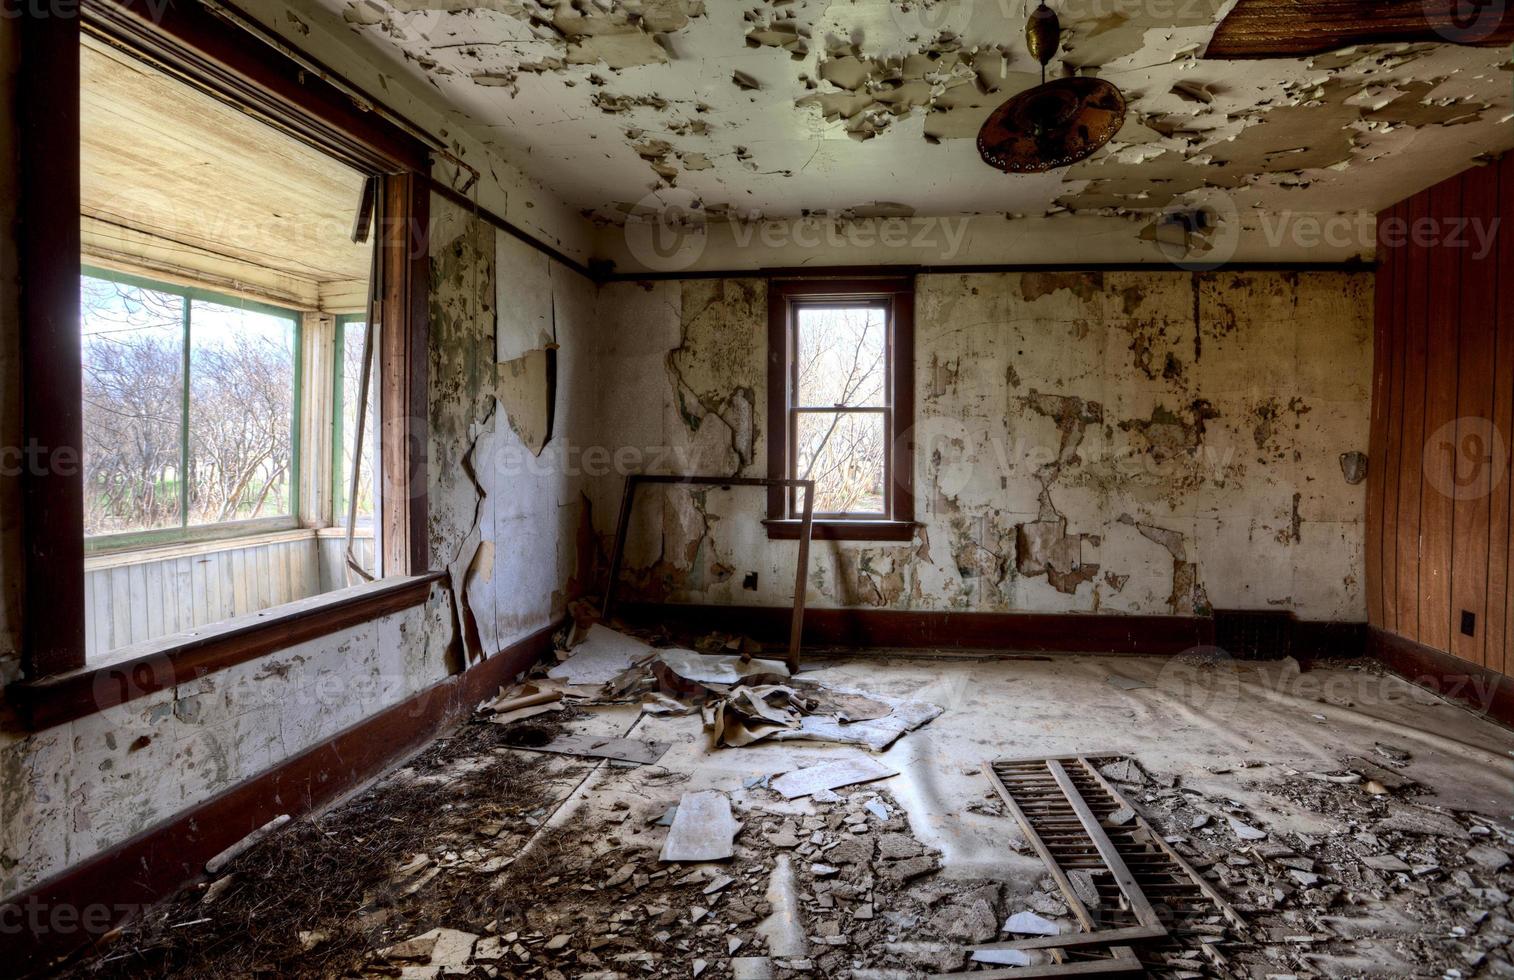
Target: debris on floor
829, 776
742, 698
702, 829
485, 857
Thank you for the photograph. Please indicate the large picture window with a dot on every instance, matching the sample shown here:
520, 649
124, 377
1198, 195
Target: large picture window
840, 404
191, 404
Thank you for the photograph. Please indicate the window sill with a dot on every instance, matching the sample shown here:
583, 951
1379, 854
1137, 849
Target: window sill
147, 668
789, 530
100, 561
230, 531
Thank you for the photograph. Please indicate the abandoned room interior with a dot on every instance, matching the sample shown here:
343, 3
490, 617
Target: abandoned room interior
682, 488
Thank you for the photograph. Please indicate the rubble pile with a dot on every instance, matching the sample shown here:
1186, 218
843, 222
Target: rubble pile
1407, 888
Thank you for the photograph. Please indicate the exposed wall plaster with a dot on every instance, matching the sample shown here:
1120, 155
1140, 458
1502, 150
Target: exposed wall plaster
1056, 472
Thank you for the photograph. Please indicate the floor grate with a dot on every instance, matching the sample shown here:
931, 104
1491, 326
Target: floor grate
1122, 882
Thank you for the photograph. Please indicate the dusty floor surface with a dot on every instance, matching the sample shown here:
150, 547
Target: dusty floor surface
478, 859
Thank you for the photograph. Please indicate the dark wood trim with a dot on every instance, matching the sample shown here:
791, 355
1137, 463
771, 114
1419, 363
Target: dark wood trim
47, 251
102, 892
899, 292
404, 318
1483, 691
513, 230
236, 64
884, 628
903, 439
1267, 29
885, 271
1025, 632
86, 690
792, 530
415, 330
245, 69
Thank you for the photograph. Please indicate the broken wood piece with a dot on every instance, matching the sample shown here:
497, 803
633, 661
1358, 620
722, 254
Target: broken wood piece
1122, 959
521, 714
703, 829
221, 860
602, 747
830, 775
523, 701
806, 525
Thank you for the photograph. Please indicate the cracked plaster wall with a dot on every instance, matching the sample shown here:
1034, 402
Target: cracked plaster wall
77, 789
1127, 442
505, 519
72, 791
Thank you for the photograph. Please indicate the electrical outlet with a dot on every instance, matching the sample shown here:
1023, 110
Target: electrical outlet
1468, 623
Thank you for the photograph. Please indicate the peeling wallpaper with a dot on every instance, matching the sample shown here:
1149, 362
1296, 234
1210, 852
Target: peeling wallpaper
72, 791
1131, 442
77, 789
505, 513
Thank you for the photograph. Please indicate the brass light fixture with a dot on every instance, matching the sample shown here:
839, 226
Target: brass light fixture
1057, 123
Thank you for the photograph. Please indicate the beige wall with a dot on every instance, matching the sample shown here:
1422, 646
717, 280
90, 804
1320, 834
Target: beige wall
1162, 442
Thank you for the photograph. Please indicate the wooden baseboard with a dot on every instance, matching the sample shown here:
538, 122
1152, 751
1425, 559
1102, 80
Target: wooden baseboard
1484, 691
1283, 635
81, 904
1027, 632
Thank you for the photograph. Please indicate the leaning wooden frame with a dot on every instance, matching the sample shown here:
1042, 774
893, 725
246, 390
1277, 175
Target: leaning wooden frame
801, 576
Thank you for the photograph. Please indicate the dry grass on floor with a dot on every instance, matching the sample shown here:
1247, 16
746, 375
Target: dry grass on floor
328, 876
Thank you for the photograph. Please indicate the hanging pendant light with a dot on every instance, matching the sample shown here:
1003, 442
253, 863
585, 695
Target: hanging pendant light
1057, 123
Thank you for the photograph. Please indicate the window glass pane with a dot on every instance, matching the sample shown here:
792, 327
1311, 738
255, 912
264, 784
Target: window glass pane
843, 452
351, 380
842, 358
241, 413
133, 361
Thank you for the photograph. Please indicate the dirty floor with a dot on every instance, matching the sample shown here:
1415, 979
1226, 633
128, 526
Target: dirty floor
481, 859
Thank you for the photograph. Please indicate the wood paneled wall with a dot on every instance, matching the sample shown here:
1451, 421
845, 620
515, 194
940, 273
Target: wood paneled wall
1439, 482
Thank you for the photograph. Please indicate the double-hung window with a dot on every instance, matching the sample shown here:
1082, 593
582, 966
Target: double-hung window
840, 405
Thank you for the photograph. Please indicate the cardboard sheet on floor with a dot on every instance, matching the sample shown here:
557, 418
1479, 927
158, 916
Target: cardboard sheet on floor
751, 714
876, 734
830, 775
601, 747
703, 829
723, 668
602, 656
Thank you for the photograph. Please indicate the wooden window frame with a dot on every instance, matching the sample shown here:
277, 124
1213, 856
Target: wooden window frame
226, 55
896, 294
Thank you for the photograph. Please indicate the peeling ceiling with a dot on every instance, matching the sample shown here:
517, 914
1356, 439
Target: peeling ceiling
803, 107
